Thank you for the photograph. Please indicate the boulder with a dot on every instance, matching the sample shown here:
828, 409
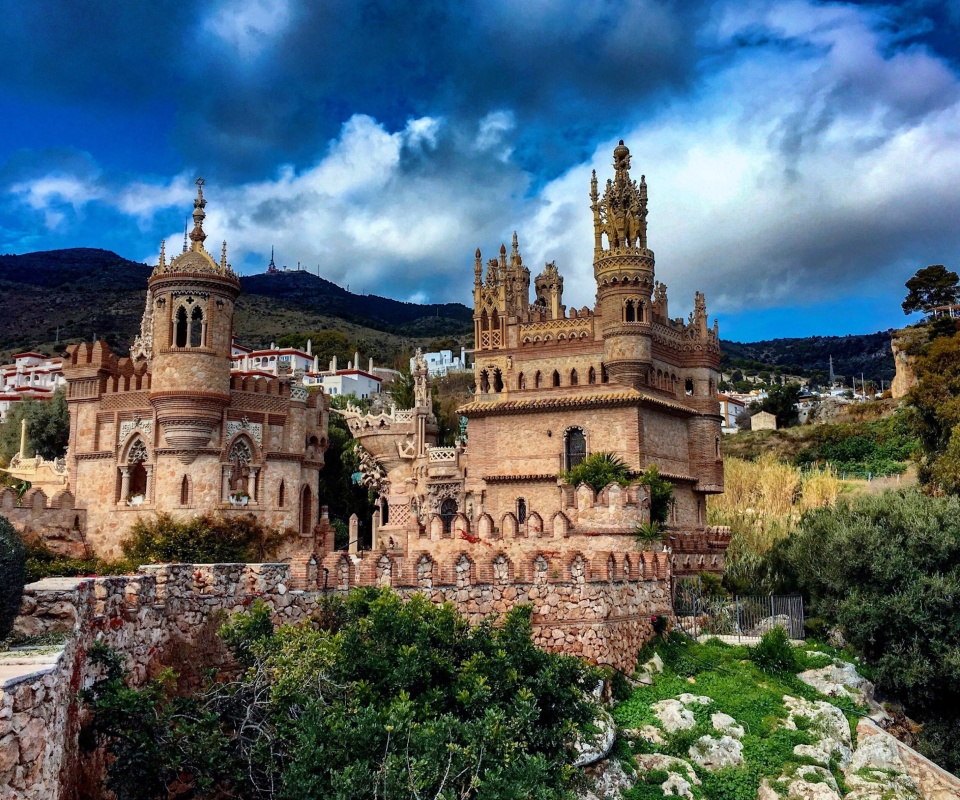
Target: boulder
610, 780
826, 723
674, 716
726, 724
714, 754
598, 747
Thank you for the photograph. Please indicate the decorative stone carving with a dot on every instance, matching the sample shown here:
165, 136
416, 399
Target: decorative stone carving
253, 429
136, 424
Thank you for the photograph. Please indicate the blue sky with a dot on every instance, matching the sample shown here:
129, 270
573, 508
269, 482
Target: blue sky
802, 157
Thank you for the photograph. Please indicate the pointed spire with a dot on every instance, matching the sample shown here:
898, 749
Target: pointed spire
163, 255
503, 258
185, 246
477, 269
223, 256
197, 235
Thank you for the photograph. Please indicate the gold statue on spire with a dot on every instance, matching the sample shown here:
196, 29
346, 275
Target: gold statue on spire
197, 235
622, 213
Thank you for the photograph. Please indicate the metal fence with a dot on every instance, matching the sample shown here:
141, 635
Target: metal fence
744, 618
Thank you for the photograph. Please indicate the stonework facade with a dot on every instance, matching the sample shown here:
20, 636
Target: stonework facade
552, 386
171, 430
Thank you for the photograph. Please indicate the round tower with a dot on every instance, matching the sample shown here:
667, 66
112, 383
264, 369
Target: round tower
191, 301
623, 268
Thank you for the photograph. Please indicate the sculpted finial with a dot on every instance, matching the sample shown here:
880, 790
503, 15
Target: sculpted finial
197, 235
223, 256
163, 255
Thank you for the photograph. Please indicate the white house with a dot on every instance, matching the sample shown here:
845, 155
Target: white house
439, 364
30, 376
730, 407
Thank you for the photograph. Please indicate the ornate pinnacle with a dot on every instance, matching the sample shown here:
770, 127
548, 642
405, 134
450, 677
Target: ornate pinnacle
163, 254
197, 235
223, 256
477, 269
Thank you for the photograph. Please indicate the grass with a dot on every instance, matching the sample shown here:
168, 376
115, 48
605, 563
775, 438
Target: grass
736, 687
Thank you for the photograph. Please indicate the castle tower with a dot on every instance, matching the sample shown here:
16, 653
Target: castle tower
192, 317
623, 268
501, 300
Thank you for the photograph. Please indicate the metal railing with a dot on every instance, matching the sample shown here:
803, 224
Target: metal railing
744, 618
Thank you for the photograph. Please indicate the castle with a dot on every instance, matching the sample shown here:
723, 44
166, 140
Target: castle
487, 523
169, 429
553, 386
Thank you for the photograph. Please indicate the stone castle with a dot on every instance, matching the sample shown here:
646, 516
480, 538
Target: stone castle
487, 523
169, 430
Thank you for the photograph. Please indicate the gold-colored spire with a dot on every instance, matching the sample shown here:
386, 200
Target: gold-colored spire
197, 235
477, 269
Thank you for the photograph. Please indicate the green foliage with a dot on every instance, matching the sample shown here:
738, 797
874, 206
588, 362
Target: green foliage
324, 344
661, 494
48, 427
931, 287
816, 628
401, 390
337, 490
12, 575
781, 401
648, 533
41, 563
381, 697
598, 470
206, 539
774, 653
886, 568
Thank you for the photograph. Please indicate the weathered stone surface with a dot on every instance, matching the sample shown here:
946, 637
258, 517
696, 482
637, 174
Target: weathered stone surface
609, 780
827, 724
714, 754
726, 724
673, 715
591, 751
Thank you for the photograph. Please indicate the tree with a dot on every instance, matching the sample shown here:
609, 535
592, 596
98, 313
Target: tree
401, 390
48, 427
12, 558
743, 420
781, 401
598, 470
931, 287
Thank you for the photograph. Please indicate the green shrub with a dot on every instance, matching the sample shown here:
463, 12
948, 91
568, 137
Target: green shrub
816, 628
598, 470
202, 540
12, 575
775, 654
661, 494
43, 563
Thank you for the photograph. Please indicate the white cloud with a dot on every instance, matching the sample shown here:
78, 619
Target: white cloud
249, 26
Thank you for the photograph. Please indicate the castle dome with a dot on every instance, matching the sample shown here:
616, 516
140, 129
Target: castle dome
195, 260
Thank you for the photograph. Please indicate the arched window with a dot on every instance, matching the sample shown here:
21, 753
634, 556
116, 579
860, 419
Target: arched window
574, 447
384, 512
196, 327
556, 378
185, 491
718, 447
180, 328
521, 381
521, 510
484, 382
628, 312
604, 375
280, 494
641, 310
574, 378
688, 386
592, 376
497, 381
136, 455
484, 321
240, 470
306, 510
448, 511
537, 380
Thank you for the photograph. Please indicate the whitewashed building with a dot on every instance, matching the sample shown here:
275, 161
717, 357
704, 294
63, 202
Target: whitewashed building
30, 376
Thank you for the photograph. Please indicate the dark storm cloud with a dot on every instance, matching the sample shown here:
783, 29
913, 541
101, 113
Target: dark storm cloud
255, 89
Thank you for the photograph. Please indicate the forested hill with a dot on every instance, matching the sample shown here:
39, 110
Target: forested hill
76, 293
867, 354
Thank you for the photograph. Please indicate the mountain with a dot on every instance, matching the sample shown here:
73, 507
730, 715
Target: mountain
49, 299
867, 354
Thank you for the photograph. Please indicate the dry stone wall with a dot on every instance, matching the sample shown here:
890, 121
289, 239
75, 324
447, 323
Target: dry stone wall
600, 612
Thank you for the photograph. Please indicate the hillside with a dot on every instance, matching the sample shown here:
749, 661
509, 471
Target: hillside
80, 292
50, 299
855, 355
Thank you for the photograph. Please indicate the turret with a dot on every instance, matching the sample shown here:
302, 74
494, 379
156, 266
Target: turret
191, 315
502, 299
624, 270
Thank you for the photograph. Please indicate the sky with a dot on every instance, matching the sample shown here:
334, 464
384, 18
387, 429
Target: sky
802, 158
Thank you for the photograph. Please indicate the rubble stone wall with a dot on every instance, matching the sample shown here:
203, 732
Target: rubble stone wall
598, 611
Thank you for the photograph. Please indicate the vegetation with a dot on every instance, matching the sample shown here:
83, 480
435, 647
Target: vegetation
12, 575
598, 470
774, 653
737, 686
781, 401
931, 287
206, 539
41, 563
48, 427
378, 697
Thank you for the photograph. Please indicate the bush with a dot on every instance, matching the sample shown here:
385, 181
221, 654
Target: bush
816, 628
598, 470
12, 575
400, 699
775, 653
661, 494
202, 540
42, 563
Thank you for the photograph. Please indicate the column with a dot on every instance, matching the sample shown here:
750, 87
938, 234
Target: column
354, 535
124, 483
252, 484
225, 483
148, 491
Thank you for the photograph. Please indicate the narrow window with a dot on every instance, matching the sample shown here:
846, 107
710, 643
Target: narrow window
521, 381
196, 327
484, 382
384, 512
688, 386
280, 494
628, 313
185, 491
306, 510
497, 381
556, 378
592, 376
575, 447
521, 511
448, 510
574, 378
538, 380
180, 328
604, 376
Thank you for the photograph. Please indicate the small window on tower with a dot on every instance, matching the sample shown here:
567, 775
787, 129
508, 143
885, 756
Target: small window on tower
180, 328
196, 327
688, 386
